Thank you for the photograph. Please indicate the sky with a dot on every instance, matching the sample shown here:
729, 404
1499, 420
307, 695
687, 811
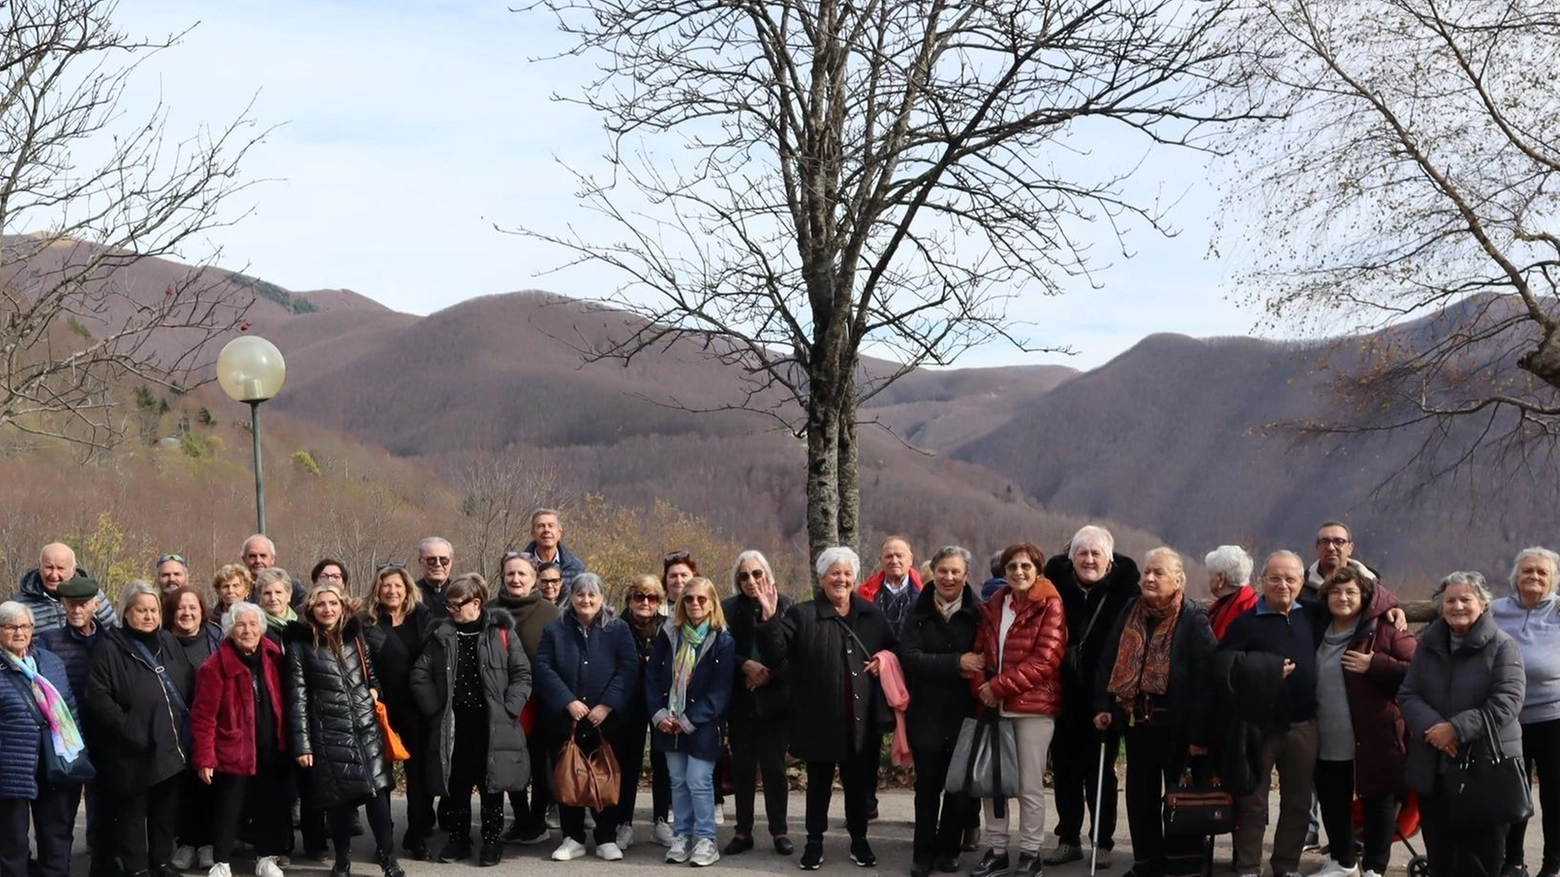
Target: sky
404, 131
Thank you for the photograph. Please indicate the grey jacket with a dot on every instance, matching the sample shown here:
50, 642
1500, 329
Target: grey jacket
506, 685
1442, 686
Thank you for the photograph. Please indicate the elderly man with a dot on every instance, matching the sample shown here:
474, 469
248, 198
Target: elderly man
896, 584
74, 643
547, 545
1229, 580
435, 557
39, 590
259, 554
1268, 662
173, 571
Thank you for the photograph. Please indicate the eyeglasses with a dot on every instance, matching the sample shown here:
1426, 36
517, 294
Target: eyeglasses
394, 564
333, 576
457, 605
558, 582
676, 557
17, 628
645, 598
695, 598
167, 557
436, 561
1334, 541
754, 575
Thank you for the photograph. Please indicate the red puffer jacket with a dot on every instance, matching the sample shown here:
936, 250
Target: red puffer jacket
222, 718
1030, 681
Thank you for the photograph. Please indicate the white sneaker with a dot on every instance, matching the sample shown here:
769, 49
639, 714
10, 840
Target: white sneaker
183, 857
220, 869
720, 815
1371, 873
552, 816
205, 857
663, 833
679, 853
1334, 869
609, 852
625, 836
568, 851
266, 866
704, 853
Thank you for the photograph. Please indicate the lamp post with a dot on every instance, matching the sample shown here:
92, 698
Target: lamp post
251, 370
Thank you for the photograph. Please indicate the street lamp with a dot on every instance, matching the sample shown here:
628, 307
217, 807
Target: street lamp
251, 370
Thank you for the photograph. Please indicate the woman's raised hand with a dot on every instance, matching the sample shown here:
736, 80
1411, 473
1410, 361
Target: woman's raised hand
768, 597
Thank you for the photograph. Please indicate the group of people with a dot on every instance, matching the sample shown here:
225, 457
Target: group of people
194, 722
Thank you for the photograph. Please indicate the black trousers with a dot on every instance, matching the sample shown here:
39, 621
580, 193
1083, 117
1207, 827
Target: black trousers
533, 813
618, 733
339, 818
53, 818
146, 824
1075, 764
858, 778
758, 748
631, 760
194, 811
311, 817
940, 817
1335, 795
419, 801
468, 773
1455, 848
260, 801
1153, 765
1541, 748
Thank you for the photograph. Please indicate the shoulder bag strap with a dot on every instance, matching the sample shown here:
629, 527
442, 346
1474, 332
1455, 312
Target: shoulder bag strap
1095, 617
1490, 735
162, 673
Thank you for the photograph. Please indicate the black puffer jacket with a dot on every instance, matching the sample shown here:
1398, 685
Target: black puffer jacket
772, 701
810, 649
133, 727
1092, 611
330, 715
506, 686
929, 650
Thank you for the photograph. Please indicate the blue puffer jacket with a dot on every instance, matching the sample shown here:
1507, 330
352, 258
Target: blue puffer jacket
22, 729
708, 696
595, 665
74, 649
48, 612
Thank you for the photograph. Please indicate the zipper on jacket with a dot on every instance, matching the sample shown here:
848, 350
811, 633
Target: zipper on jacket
172, 719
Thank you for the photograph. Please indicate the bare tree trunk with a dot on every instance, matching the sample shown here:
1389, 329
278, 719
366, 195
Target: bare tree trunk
849, 457
823, 487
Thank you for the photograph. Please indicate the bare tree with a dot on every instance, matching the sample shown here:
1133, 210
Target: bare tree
497, 491
882, 177
84, 196
1416, 175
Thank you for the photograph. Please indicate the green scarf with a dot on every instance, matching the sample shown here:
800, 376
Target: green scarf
277, 622
690, 638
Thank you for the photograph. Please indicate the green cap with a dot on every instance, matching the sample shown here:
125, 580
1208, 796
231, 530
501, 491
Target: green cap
79, 588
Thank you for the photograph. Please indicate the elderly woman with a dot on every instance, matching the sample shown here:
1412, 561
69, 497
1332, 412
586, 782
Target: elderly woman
472, 681
397, 627
687, 689
642, 610
239, 725
1095, 583
185, 616
1229, 581
827, 649
232, 584
1021, 641
755, 721
532, 613
1467, 672
136, 713
937, 652
334, 733
273, 592
584, 668
1153, 684
1531, 617
1361, 658
37, 710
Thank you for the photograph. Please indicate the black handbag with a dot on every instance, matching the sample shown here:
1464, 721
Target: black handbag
1195, 808
1486, 786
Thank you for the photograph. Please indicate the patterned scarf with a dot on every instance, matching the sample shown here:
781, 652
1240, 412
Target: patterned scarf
1143, 664
63, 733
946, 608
691, 638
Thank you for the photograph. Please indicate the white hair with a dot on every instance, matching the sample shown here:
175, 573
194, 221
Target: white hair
230, 618
829, 557
1091, 536
135, 589
1232, 561
274, 574
11, 610
1535, 551
1474, 580
744, 557
423, 546
1282, 554
244, 549
69, 550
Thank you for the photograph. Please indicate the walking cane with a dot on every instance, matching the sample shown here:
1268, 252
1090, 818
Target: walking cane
1099, 803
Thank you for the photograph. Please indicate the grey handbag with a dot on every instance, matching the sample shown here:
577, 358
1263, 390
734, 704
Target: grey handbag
985, 761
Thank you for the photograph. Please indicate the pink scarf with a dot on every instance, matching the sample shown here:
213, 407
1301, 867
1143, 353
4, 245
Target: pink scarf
892, 677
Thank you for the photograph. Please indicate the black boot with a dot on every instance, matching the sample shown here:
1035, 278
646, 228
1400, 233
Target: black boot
391, 867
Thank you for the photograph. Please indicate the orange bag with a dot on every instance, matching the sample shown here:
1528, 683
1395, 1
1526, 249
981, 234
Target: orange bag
394, 748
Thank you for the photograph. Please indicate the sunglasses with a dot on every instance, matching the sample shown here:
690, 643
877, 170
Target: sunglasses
167, 557
457, 605
436, 561
645, 598
394, 564
745, 575
676, 557
523, 555
695, 598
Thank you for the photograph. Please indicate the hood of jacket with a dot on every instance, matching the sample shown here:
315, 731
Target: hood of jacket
1438, 636
32, 584
1039, 592
493, 617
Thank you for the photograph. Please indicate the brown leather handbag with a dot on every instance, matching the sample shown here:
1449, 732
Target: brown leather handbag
581, 780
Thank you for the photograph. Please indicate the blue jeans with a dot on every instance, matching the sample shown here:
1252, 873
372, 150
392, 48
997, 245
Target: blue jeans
693, 795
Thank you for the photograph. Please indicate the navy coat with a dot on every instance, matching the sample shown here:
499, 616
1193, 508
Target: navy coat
598, 665
22, 729
74, 649
709, 693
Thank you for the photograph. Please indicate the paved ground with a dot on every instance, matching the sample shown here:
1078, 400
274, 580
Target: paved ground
890, 838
